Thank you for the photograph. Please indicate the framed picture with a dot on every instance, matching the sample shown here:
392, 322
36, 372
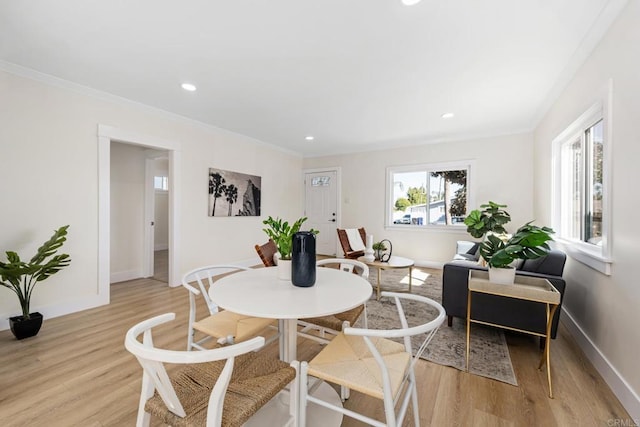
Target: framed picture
233, 193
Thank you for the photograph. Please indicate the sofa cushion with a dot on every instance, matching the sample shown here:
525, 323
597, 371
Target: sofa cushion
552, 264
467, 251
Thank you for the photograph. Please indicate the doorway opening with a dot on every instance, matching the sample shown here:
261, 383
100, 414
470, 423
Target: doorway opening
107, 135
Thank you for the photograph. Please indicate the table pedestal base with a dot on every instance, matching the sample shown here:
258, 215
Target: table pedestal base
276, 412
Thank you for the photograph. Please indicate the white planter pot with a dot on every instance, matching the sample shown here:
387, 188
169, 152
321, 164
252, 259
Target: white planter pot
502, 276
284, 269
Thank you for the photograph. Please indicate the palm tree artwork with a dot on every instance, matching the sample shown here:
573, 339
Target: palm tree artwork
232, 195
216, 188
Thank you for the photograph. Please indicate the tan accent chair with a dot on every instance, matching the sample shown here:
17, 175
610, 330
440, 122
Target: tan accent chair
225, 326
224, 386
267, 252
346, 247
369, 362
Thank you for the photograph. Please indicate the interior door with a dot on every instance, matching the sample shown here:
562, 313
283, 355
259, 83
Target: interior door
321, 201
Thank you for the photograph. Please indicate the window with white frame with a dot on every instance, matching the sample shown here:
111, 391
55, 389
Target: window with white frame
581, 217
428, 195
161, 183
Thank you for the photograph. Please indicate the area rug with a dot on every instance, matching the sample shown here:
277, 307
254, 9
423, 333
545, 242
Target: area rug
489, 355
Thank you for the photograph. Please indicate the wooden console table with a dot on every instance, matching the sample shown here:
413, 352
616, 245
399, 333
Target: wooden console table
525, 288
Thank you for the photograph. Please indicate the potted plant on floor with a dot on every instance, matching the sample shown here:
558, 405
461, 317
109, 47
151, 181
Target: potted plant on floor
21, 277
281, 232
499, 249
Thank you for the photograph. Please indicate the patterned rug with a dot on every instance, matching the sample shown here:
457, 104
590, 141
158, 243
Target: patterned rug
489, 352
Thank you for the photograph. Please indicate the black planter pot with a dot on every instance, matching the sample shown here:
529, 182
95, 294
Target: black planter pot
25, 328
303, 259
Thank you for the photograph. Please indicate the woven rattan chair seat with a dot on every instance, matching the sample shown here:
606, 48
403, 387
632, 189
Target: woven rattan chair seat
347, 361
335, 321
255, 380
239, 326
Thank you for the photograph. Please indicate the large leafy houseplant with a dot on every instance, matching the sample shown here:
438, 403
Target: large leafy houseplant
281, 232
21, 276
528, 242
491, 219
500, 249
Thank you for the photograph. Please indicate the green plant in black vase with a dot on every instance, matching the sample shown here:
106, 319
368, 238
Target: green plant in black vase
21, 276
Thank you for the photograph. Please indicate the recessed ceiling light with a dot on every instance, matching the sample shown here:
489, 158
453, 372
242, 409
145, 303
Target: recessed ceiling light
447, 115
309, 138
189, 87
410, 2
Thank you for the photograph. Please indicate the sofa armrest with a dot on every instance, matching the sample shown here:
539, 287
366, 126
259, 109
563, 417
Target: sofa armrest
464, 246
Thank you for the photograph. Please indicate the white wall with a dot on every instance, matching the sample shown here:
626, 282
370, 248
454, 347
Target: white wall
605, 308
48, 167
161, 208
127, 211
502, 173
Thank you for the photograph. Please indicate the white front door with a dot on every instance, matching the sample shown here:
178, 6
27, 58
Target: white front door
321, 201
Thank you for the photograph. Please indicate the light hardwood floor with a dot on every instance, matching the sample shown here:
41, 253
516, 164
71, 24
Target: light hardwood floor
76, 372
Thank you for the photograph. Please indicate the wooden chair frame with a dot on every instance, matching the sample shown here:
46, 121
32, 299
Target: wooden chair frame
266, 252
346, 247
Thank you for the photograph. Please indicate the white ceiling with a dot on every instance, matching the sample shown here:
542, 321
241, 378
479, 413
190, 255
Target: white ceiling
356, 74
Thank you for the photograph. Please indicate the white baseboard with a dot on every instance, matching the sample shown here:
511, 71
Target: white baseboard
121, 276
60, 310
620, 387
161, 247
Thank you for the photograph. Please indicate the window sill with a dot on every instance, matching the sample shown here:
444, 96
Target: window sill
591, 258
436, 228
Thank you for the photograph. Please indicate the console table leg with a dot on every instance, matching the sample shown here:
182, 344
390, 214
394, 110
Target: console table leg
547, 348
468, 326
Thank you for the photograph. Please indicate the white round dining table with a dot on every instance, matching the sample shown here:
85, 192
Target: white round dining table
258, 292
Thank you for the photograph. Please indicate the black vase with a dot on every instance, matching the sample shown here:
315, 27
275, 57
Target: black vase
25, 328
303, 259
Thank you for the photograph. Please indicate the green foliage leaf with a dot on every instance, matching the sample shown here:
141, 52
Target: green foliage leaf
282, 233
21, 277
528, 242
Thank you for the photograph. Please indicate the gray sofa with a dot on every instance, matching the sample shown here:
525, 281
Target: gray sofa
523, 315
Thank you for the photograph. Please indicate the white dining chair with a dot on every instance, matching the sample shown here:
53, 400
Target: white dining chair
333, 324
222, 386
225, 326
368, 361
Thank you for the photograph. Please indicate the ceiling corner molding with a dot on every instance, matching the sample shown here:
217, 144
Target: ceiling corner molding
598, 29
50, 80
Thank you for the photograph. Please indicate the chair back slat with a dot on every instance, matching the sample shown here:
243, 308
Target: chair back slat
266, 252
